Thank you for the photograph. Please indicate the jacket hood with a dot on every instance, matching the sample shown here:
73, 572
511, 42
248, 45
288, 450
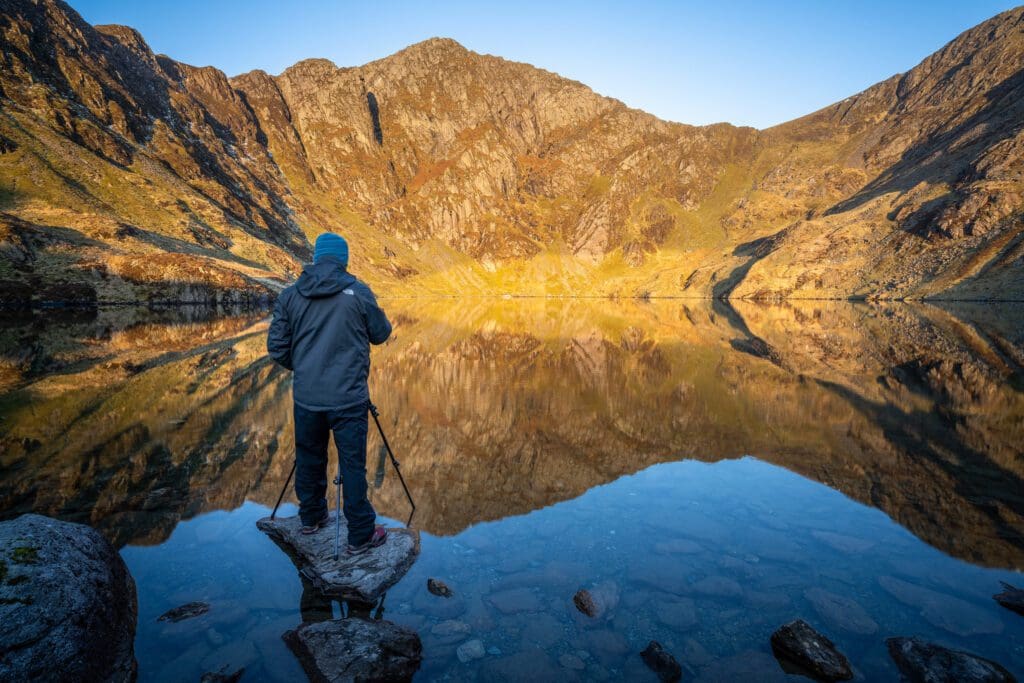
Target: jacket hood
324, 278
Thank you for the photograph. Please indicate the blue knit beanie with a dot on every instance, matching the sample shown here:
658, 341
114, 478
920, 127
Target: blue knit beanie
329, 244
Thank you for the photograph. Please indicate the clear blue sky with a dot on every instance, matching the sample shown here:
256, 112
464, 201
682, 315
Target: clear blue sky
749, 63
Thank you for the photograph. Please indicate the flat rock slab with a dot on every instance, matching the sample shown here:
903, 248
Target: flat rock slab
356, 650
351, 577
921, 661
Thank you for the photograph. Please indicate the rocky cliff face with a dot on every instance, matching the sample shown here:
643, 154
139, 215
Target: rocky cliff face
454, 171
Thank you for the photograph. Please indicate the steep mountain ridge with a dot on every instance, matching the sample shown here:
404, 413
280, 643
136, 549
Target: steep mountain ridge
126, 175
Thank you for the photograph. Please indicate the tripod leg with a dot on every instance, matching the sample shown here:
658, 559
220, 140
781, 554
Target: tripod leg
337, 521
394, 460
283, 489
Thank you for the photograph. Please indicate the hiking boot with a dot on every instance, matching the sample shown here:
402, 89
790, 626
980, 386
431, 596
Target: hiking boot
316, 526
377, 538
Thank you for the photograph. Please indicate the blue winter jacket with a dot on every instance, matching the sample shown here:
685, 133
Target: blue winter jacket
322, 329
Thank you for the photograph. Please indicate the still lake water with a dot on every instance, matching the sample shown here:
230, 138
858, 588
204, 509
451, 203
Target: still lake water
720, 470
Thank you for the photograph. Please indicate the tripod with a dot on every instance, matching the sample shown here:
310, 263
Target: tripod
337, 482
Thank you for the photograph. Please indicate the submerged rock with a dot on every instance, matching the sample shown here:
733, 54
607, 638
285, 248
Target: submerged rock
1012, 598
585, 602
942, 610
450, 631
470, 650
798, 643
678, 614
222, 676
599, 601
363, 578
439, 588
661, 662
922, 662
356, 650
572, 662
515, 600
67, 604
186, 611
841, 612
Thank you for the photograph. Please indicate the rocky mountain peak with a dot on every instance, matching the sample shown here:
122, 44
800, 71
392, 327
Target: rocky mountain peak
451, 170
126, 35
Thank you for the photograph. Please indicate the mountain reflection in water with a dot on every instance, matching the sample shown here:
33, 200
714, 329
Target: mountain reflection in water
131, 421
552, 444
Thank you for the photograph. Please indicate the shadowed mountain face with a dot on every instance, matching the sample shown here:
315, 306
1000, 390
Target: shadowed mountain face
125, 175
500, 409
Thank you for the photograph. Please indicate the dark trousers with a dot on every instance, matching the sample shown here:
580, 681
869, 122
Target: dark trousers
312, 430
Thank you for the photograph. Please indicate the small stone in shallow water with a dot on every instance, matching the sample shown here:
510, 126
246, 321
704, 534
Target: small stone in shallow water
585, 602
813, 653
572, 662
439, 588
222, 676
1012, 598
515, 600
470, 650
186, 611
718, 586
450, 631
921, 661
599, 601
676, 613
841, 612
661, 662
677, 546
843, 543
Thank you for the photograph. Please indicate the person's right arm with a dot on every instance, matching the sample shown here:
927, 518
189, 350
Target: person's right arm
279, 338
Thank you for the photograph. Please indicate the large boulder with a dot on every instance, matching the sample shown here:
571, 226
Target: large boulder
67, 604
922, 662
356, 649
362, 578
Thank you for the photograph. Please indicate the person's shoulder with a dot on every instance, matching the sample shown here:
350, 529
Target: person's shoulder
286, 294
360, 287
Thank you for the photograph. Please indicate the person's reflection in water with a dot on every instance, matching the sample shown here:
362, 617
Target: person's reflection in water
378, 479
315, 606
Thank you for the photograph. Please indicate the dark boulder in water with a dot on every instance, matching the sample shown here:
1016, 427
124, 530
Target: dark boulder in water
186, 611
922, 662
439, 588
809, 652
661, 662
1012, 598
356, 649
68, 606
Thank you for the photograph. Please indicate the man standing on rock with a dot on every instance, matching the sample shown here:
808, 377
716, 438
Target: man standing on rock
322, 329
